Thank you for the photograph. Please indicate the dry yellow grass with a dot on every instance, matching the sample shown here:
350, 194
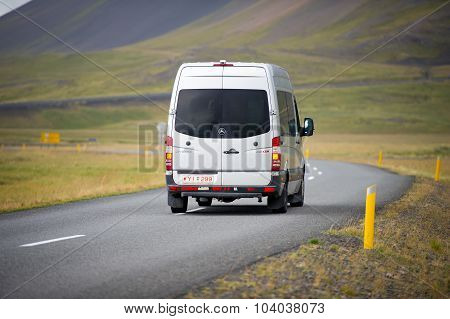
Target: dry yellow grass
33, 177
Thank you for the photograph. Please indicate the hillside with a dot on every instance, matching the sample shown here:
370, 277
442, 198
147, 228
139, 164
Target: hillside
96, 25
312, 39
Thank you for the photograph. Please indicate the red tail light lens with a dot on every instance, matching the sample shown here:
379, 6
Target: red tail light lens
276, 154
189, 188
223, 64
276, 141
169, 154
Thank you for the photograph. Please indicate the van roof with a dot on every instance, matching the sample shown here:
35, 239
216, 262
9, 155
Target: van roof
272, 69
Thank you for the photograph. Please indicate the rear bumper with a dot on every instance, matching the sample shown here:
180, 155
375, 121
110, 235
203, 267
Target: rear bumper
274, 188
222, 194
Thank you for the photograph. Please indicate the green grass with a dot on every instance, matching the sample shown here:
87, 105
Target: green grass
108, 124
400, 108
372, 23
82, 117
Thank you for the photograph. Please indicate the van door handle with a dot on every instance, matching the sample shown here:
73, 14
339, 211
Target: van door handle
231, 151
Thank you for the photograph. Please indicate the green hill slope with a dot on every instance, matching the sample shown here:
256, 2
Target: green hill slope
312, 39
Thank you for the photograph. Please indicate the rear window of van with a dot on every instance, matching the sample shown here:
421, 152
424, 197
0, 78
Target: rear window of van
241, 113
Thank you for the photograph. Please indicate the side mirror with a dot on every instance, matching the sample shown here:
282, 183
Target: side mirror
308, 128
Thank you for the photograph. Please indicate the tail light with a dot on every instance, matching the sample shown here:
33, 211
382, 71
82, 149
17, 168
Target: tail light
276, 154
169, 149
269, 189
222, 63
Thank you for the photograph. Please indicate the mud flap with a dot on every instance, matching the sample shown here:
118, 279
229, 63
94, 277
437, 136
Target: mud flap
175, 202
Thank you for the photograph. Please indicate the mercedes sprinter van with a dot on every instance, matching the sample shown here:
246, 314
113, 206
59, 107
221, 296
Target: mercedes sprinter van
235, 131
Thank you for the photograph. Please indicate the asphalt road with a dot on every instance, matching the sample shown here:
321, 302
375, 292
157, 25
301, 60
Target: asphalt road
131, 246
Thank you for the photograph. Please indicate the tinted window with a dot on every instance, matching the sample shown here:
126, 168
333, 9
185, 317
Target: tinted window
291, 110
299, 127
242, 113
283, 113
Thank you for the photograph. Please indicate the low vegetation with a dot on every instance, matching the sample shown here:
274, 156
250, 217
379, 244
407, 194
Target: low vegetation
38, 177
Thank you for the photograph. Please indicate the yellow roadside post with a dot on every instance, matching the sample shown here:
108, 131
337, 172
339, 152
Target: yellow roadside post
369, 220
78, 148
438, 169
307, 153
380, 158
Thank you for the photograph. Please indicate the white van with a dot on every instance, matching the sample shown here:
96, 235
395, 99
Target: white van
234, 131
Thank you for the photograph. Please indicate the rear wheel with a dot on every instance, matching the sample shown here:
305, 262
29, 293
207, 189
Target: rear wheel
183, 209
284, 202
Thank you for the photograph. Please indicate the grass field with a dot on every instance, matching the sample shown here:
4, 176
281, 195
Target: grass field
396, 108
34, 177
413, 108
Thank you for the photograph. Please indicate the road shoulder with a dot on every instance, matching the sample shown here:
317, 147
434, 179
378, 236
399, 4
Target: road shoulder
409, 260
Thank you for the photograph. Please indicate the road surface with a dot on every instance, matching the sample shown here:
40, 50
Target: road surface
131, 246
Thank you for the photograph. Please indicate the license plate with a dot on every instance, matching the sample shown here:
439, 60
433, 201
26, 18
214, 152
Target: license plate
198, 179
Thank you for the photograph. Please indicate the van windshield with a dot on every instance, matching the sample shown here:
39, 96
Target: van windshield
241, 113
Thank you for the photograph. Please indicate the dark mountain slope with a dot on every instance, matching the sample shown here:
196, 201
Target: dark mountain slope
97, 25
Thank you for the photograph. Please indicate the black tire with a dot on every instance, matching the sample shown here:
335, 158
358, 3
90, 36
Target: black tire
179, 210
299, 198
284, 196
205, 203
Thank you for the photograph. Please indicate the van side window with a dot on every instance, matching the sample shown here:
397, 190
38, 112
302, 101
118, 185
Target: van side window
284, 113
297, 117
291, 111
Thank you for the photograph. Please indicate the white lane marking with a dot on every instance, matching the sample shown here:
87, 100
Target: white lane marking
310, 178
315, 168
319, 172
179, 214
194, 210
51, 241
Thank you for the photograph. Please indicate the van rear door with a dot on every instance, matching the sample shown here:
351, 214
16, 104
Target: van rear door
196, 145
247, 141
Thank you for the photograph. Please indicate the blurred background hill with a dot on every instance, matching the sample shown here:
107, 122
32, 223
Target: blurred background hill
144, 42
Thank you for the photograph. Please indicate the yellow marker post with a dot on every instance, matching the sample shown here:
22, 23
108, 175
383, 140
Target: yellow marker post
78, 148
438, 169
380, 158
307, 153
369, 220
